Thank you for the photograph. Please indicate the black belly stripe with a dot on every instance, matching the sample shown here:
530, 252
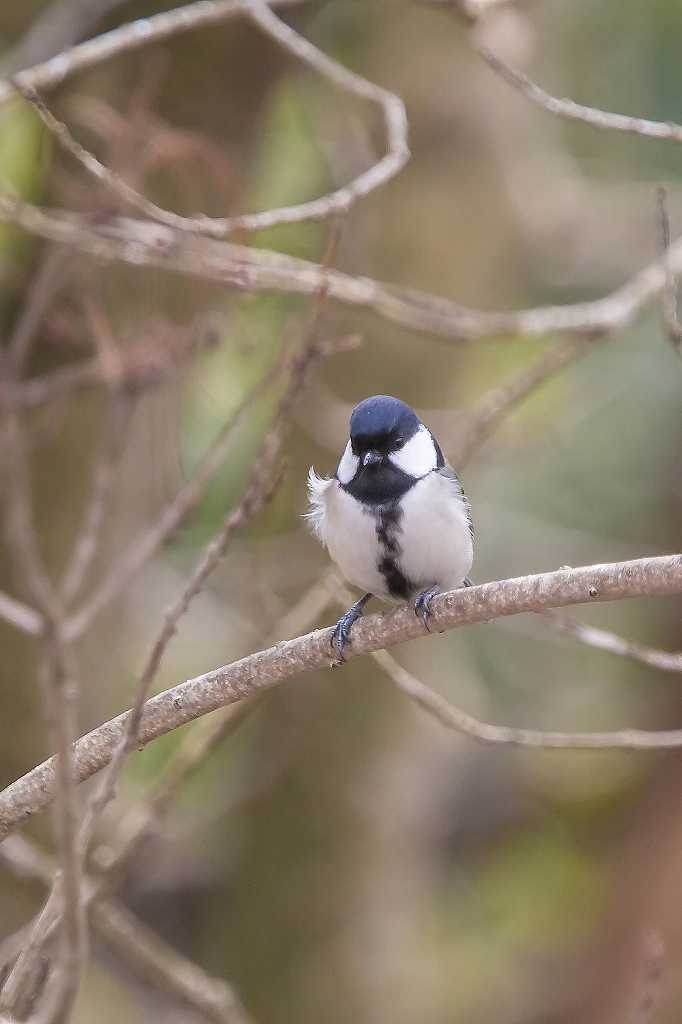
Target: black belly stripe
388, 529
397, 583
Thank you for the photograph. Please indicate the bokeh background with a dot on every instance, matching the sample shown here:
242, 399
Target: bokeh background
343, 857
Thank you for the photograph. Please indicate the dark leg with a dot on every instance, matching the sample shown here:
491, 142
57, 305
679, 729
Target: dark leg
421, 605
341, 632
468, 582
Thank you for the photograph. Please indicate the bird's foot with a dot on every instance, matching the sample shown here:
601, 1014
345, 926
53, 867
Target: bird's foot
341, 632
421, 605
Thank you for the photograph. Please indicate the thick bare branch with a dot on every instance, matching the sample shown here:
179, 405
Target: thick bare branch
267, 668
144, 243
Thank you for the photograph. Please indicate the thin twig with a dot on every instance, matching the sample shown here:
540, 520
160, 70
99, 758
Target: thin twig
59, 25
60, 701
667, 661
141, 948
172, 517
671, 318
496, 404
571, 111
333, 204
43, 288
653, 956
20, 615
262, 484
112, 446
461, 721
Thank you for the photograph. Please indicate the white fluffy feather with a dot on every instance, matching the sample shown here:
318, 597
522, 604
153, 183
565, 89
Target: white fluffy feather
317, 489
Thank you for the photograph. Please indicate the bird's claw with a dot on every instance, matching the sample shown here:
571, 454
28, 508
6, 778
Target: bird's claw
341, 631
422, 606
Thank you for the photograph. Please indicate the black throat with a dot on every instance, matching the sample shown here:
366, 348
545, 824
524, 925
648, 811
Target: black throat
379, 485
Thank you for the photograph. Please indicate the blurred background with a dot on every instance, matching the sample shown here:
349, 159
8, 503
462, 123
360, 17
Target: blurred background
342, 857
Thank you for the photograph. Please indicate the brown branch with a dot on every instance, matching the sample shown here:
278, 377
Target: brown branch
268, 668
263, 481
20, 615
141, 948
103, 479
671, 318
333, 204
174, 514
653, 957
41, 291
61, 694
496, 404
461, 721
571, 111
125, 39
59, 25
603, 640
256, 270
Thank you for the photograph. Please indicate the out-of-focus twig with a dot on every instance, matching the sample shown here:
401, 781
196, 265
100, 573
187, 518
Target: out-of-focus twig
60, 697
119, 410
127, 38
48, 278
496, 404
667, 661
60, 25
263, 481
141, 948
653, 956
20, 615
172, 516
333, 204
671, 318
572, 111
461, 721
145, 243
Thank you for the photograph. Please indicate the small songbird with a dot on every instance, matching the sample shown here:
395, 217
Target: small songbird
394, 516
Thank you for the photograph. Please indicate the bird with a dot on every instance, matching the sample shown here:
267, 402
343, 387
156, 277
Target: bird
394, 517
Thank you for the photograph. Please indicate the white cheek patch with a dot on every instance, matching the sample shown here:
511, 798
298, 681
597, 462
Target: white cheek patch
418, 456
348, 466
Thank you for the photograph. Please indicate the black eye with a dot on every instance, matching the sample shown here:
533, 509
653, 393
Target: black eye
397, 443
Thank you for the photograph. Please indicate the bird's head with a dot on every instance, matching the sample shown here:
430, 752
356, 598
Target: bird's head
388, 450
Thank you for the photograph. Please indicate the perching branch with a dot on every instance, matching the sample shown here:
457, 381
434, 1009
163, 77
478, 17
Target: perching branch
268, 668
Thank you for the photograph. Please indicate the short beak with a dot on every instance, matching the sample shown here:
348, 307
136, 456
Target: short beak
372, 458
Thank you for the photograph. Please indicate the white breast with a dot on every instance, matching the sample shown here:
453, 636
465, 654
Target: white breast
348, 531
433, 534
351, 538
436, 540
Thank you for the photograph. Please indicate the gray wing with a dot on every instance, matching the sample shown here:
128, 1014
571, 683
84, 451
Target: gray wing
448, 472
